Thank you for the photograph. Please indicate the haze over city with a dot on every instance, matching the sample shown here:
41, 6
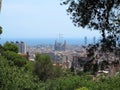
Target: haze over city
41, 49
38, 19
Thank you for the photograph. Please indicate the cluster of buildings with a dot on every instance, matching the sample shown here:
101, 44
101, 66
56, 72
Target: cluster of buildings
60, 52
67, 56
59, 46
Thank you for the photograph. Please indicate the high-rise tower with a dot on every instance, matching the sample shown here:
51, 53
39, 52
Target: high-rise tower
21, 47
85, 42
94, 40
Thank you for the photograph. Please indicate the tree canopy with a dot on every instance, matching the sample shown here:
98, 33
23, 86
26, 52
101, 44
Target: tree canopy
10, 47
0, 30
43, 66
14, 58
102, 15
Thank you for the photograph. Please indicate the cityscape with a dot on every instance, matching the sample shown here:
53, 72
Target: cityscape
67, 55
59, 44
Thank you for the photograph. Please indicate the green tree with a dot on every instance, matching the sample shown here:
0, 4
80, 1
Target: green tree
97, 14
0, 34
15, 78
0, 30
30, 66
14, 58
1, 49
10, 47
83, 88
43, 66
56, 72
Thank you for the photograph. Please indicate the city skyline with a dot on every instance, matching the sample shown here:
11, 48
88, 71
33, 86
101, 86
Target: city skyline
39, 19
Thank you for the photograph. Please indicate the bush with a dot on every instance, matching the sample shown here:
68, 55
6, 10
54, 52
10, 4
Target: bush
82, 88
14, 59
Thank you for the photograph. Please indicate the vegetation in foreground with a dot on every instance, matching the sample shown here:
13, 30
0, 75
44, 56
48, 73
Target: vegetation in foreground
17, 73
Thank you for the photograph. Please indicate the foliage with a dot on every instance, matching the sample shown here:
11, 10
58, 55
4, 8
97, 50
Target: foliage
102, 15
81, 82
15, 78
10, 47
23, 78
0, 30
16, 73
82, 88
43, 66
64, 83
14, 58
30, 66
1, 49
56, 71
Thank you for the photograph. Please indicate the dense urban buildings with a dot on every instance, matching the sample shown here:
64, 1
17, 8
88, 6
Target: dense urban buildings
68, 56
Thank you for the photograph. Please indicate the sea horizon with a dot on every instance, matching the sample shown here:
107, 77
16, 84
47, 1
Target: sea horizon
47, 41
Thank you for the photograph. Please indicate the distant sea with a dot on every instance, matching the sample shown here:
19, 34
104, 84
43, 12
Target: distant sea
32, 42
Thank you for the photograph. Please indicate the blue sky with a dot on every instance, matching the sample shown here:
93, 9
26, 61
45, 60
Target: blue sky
38, 19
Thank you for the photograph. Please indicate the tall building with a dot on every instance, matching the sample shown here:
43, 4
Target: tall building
85, 42
59, 46
94, 40
21, 47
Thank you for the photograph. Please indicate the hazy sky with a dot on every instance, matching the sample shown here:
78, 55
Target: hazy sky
38, 19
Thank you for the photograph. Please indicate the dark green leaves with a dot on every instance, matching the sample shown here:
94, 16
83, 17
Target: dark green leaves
0, 30
10, 47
